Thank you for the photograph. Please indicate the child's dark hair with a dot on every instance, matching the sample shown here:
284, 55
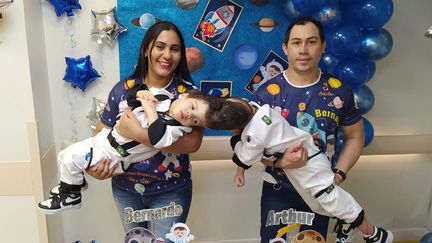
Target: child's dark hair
223, 113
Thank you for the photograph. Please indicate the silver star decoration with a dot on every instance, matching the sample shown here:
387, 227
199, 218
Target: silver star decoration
428, 33
4, 4
106, 26
95, 113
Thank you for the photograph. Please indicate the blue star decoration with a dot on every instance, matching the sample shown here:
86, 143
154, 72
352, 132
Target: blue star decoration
61, 6
80, 72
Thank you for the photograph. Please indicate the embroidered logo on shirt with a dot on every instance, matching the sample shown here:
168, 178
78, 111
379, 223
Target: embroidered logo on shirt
266, 120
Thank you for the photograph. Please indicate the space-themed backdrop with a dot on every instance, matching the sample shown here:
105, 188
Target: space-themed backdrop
232, 46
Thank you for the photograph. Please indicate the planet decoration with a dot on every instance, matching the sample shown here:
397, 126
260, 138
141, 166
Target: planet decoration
245, 56
194, 59
266, 24
145, 21
187, 4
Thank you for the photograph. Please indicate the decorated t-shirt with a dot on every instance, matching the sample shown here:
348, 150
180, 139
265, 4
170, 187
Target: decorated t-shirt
162, 172
318, 108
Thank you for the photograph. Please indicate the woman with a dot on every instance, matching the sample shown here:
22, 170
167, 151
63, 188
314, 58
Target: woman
157, 192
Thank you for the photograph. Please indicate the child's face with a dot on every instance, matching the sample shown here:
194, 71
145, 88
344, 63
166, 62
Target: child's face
179, 233
272, 71
189, 111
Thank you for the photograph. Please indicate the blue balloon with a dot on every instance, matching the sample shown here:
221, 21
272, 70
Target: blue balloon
328, 62
372, 68
363, 98
369, 14
426, 238
368, 131
289, 10
307, 7
339, 142
330, 15
80, 72
61, 6
352, 70
345, 40
376, 44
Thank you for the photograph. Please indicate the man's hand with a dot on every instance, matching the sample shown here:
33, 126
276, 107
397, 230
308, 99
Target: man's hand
102, 170
294, 157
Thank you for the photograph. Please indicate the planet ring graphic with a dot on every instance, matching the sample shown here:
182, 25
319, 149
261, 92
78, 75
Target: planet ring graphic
145, 21
266, 24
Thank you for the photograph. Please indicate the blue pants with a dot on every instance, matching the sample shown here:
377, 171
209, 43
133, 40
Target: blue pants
281, 207
162, 209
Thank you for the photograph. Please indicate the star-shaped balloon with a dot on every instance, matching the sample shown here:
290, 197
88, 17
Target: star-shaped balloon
96, 111
4, 4
61, 6
106, 26
80, 72
428, 33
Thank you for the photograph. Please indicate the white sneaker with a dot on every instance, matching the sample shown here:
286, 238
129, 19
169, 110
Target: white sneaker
60, 202
380, 235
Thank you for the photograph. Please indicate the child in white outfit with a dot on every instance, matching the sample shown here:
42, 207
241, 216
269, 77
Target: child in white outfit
266, 136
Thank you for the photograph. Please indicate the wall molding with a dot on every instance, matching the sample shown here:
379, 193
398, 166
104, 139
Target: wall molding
36, 177
16, 179
218, 148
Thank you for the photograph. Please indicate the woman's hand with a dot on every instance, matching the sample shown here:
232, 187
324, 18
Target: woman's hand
128, 126
102, 170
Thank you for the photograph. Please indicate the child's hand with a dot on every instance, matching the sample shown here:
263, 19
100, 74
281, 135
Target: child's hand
239, 179
148, 101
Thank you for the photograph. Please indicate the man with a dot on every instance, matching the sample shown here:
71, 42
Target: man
314, 102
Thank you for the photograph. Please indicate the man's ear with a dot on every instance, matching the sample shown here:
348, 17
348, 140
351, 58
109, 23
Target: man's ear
284, 48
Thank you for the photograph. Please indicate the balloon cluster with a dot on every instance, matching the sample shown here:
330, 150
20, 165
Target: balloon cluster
355, 40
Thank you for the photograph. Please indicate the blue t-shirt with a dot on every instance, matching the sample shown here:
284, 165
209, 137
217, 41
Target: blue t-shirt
160, 173
318, 108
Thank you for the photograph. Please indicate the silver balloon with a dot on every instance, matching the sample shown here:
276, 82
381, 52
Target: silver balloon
96, 111
428, 33
4, 4
106, 26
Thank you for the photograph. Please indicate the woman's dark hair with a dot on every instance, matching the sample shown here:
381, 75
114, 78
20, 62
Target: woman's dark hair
303, 21
152, 34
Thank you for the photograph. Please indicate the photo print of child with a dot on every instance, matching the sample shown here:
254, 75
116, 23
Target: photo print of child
271, 66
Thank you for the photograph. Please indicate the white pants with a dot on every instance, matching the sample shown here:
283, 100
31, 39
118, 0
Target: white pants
316, 176
74, 160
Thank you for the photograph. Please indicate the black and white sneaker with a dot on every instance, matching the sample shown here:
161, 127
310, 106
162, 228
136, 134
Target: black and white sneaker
380, 235
344, 232
60, 202
56, 190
